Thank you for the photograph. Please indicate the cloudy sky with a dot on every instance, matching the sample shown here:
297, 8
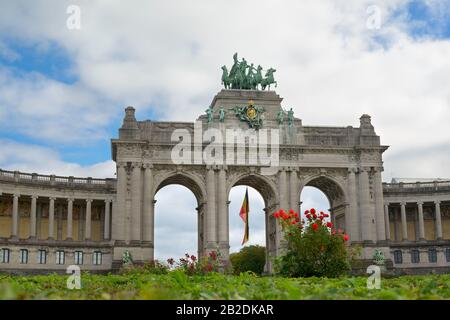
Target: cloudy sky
63, 90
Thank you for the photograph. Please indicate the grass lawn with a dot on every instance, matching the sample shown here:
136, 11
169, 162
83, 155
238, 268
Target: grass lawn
176, 285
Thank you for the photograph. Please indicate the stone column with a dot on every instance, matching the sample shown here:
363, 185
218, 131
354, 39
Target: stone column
118, 226
33, 217
69, 235
211, 203
107, 222
284, 204
148, 216
223, 212
136, 198
81, 216
15, 217
421, 221
293, 195
404, 222
438, 220
51, 219
386, 221
59, 222
379, 211
365, 208
87, 234
352, 224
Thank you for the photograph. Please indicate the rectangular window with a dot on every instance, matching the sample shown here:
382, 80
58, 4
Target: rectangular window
432, 255
23, 256
447, 254
60, 256
415, 256
42, 256
398, 258
4, 255
97, 258
79, 257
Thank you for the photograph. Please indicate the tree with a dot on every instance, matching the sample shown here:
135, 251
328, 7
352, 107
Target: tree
251, 258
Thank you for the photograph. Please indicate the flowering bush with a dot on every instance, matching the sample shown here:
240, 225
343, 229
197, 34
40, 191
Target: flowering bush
315, 249
193, 266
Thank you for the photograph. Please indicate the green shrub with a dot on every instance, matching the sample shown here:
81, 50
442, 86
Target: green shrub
251, 258
315, 250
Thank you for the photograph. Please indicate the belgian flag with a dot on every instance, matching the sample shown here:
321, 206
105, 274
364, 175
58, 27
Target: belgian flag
244, 216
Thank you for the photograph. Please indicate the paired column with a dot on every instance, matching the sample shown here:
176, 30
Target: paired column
438, 220
386, 221
136, 212
120, 218
404, 222
149, 212
293, 183
421, 221
211, 207
365, 207
87, 234
69, 219
379, 210
223, 209
51, 218
352, 219
107, 221
33, 217
15, 217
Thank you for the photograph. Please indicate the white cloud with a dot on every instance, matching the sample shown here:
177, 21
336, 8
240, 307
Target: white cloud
30, 158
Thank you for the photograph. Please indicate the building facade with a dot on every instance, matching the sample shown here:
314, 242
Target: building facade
49, 222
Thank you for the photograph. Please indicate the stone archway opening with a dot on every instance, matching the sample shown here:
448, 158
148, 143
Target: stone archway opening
325, 194
178, 218
263, 202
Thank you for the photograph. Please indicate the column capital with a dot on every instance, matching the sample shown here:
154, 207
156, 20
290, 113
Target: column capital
52, 198
437, 202
70, 199
364, 169
16, 195
147, 165
386, 204
121, 164
108, 200
352, 170
89, 200
136, 164
33, 196
420, 203
378, 169
403, 203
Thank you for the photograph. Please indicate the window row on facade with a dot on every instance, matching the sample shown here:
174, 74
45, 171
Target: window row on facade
415, 256
42, 256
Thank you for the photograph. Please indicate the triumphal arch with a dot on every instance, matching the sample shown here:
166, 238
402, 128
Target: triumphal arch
246, 137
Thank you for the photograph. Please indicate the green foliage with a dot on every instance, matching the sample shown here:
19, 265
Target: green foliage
316, 250
251, 258
178, 285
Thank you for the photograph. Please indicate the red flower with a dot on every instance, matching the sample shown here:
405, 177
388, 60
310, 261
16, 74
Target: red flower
346, 237
285, 216
313, 211
293, 222
209, 267
193, 258
291, 211
282, 212
306, 212
308, 216
333, 231
297, 219
315, 226
213, 255
296, 214
314, 216
326, 215
321, 218
329, 224
276, 214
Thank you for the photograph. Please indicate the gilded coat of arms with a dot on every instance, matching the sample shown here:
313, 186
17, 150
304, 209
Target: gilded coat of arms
251, 114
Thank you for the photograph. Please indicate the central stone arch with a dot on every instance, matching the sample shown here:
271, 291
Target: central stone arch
269, 193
